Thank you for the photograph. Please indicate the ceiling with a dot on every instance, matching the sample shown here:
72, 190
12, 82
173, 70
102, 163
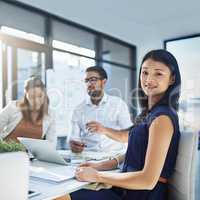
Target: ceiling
160, 19
171, 18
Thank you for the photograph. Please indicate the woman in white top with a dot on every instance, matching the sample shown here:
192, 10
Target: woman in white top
30, 116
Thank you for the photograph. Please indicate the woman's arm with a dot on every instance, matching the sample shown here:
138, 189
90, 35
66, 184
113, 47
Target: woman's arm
106, 165
160, 135
118, 135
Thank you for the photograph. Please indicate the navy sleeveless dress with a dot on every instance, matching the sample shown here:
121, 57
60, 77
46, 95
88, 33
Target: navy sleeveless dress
135, 159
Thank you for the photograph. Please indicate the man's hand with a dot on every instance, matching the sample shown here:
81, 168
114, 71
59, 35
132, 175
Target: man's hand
95, 127
76, 146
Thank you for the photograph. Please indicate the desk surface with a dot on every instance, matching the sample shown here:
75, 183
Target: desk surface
50, 190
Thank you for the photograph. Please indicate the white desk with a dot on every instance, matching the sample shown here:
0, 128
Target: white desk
50, 190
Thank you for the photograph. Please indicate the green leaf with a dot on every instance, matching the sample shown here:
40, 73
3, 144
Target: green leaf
11, 146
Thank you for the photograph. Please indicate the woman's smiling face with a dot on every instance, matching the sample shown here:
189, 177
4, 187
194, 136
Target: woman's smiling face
155, 78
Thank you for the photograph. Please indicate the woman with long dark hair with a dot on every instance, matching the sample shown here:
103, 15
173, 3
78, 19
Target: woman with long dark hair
153, 140
30, 116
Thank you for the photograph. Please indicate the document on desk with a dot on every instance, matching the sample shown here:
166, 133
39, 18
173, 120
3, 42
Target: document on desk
89, 155
57, 174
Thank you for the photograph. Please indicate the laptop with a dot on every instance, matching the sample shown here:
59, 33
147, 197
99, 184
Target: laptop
43, 150
32, 193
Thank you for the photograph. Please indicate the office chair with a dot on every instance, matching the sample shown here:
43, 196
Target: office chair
182, 185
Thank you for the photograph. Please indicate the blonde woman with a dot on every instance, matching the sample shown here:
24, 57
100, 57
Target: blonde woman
30, 116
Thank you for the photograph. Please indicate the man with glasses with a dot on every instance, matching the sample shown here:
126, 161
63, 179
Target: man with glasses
99, 113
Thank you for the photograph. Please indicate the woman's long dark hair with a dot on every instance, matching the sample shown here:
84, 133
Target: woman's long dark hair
30, 83
171, 96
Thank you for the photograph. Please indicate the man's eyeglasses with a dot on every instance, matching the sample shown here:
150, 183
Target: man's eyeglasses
92, 80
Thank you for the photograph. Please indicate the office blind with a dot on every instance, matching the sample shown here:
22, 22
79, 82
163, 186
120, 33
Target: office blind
115, 52
19, 18
72, 35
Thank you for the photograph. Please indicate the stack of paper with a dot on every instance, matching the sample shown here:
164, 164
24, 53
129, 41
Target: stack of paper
56, 175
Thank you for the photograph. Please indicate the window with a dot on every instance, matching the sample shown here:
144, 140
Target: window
187, 53
73, 48
21, 19
73, 36
29, 63
67, 91
22, 34
115, 52
59, 51
119, 86
1, 75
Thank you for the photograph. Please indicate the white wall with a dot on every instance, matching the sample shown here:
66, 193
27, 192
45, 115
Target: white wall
92, 14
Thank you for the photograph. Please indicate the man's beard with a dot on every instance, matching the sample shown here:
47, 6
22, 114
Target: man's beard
95, 94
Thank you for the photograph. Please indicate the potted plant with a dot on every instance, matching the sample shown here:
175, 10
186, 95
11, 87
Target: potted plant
14, 171
11, 146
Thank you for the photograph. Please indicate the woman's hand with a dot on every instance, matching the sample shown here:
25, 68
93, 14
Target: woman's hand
96, 166
87, 174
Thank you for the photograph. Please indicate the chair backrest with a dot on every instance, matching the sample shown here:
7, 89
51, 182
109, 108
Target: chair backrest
182, 184
14, 176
